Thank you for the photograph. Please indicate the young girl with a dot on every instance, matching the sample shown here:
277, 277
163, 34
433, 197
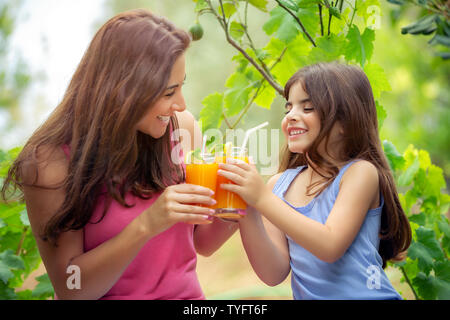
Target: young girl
332, 213
103, 194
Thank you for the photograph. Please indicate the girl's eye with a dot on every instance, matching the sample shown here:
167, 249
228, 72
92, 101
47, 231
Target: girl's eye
170, 94
308, 109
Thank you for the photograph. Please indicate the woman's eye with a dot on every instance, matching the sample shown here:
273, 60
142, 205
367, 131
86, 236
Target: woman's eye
170, 94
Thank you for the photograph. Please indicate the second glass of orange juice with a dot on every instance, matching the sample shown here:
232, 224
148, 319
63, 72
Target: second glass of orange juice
229, 205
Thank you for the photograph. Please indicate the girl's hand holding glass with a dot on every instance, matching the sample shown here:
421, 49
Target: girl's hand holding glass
249, 185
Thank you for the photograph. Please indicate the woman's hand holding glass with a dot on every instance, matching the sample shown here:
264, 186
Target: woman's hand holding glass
175, 205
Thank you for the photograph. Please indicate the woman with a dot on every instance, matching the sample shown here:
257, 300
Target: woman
102, 191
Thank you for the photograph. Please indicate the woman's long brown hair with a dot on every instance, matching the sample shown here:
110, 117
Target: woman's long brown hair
123, 72
342, 93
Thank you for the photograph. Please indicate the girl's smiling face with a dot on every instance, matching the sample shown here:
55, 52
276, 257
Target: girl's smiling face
301, 125
157, 118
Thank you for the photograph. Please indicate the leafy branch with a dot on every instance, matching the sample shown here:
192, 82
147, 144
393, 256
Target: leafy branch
298, 21
224, 24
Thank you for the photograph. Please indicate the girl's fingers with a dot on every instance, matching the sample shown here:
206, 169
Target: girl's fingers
232, 168
231, 187
240, 163
236, 178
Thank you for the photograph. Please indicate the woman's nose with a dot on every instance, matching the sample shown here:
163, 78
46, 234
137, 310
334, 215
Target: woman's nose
179, 105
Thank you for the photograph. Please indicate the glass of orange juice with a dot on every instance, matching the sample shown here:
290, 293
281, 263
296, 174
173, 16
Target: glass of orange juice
229, 205
203, 172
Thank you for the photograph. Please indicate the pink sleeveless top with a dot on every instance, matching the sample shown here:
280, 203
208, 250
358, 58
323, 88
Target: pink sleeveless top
164, 268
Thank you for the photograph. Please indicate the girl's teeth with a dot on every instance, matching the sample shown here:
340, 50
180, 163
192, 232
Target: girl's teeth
297, 132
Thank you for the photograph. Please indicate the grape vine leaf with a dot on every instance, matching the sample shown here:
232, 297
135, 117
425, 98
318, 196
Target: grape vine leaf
211, 114
236, 97
395, 159
9, 261
282, 25
265, 97
360, 46
377, 78
425, 249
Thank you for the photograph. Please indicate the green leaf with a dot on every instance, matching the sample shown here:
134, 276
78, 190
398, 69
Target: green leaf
9, 261
309, 16
407, 177
425, 286
425, 249
360, 46
228, 8
377, 78
328, 48
236, 97
420, 218
211, 114
44, 288
236, 30
335, 12
6, 293
381, 114
201, 5
395, 159
436, 181
442, 273
295, 56
290, 4
260, 4
282, 25
265, 97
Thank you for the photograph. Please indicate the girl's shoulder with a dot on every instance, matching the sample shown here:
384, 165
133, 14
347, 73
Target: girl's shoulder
273, 180
361, 169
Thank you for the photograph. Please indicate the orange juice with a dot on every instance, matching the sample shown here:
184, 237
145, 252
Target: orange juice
204, 175
229, 204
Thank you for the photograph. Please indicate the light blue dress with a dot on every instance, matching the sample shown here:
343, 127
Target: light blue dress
358, 274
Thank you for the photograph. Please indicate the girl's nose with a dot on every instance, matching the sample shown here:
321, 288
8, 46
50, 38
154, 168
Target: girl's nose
292, 117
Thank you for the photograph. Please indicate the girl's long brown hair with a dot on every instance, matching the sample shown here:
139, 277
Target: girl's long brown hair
123, 72
342, 93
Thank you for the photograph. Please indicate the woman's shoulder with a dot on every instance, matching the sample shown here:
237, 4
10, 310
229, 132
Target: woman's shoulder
47, 167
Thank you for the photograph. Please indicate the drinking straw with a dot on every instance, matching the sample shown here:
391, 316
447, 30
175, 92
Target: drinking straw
248, 133
203, 146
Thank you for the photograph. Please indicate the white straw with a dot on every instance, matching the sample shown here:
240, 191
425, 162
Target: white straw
248, 133
204, 145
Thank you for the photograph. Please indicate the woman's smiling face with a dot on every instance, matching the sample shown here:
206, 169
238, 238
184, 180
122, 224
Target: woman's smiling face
157, 118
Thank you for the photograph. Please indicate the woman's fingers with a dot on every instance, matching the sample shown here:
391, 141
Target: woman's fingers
192, 188
192, 209
190, 198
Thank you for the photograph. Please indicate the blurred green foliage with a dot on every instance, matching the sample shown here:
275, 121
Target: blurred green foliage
14, 76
